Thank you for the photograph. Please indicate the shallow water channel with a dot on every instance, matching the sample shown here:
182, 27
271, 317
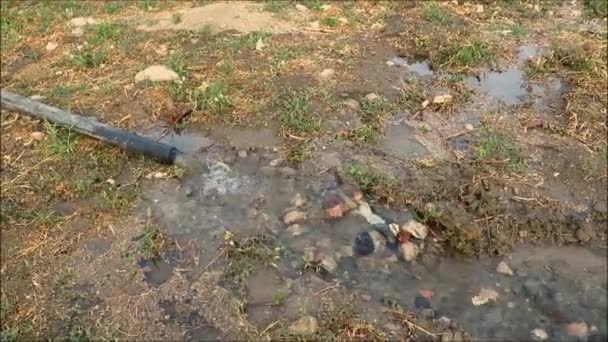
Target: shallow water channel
249, 193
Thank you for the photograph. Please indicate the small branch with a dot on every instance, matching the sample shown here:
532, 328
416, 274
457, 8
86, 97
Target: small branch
270, 326
331, 287
214, 260
402, 317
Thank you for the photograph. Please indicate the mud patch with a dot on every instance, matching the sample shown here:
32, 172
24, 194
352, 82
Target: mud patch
245, 137
526, 301
241, 16
400, 141
156, 271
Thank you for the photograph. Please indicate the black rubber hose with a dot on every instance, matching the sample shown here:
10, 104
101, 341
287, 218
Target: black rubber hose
125, 140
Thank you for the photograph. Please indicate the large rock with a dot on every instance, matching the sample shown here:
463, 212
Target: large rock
156, 73
306, 325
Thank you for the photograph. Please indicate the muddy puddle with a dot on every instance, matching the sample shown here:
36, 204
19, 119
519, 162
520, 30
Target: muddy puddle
400, 141
509, 87
420, 69
250, 193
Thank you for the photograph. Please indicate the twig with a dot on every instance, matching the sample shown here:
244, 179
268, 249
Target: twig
9, 122
418, 112
525, 199
295, 137
326, 289
488, 218
24, 173
318, 30
455, 135
270, 326
403, 318
214, 260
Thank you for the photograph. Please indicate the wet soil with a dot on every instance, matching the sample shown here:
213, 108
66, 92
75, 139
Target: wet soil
546, 220
246, 197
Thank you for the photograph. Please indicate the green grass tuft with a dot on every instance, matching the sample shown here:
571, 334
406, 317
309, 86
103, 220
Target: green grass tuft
151, 241
495, 145
113, 7
435, 14
177, 63
330, 21
247, 41
275, 5
147, 4
89, 57
369, 178
211, 97
247, 253
596, 8
313, 4
518, 30
295, 114
60, 141
105, 32
464, 55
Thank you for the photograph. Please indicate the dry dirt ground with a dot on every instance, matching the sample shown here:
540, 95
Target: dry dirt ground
486, 120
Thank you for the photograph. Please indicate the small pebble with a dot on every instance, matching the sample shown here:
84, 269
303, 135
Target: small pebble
504, 268
298, 200
294, 217
579, 329
306, 325
38, 136
327, 73
243, 154
417, 229
391, 327
275, 162
329, 263
301, 8
366, 297
188, 190
443, 322
426, 293
485, 295
539, 334
442, 98
421, 303
295, 229
372, 97
352, 103
50, 46
584, 233
409, 250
